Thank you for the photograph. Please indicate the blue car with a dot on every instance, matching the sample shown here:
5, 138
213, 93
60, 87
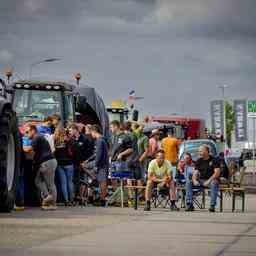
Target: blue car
192, 146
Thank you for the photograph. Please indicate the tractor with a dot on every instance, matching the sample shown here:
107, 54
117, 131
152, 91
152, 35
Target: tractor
32, 102
10, 151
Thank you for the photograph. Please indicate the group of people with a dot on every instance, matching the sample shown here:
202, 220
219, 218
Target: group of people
81, 157
60, 158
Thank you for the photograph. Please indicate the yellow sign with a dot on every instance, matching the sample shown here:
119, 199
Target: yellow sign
117, 104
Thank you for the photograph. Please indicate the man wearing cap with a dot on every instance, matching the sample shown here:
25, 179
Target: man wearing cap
154, 143
170, 145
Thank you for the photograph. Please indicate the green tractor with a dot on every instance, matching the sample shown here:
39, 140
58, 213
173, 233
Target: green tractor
24, 102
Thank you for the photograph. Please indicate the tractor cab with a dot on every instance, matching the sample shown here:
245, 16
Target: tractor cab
34, 101
119, 112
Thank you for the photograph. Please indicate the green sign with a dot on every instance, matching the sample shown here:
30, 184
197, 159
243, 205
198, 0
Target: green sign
252, 108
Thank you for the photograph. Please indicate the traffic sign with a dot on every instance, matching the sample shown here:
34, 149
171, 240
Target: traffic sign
251, 108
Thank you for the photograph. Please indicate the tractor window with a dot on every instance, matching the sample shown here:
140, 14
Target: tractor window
68, 108
36, 104
115, 116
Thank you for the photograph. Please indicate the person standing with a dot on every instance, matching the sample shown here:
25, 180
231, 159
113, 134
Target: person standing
121, 149
81, 152
143, 150
45, 127
170, 145
45, 165
154, 143
101, 162
121, 144
65, 168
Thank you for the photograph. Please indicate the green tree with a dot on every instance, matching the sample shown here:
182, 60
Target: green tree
230, 121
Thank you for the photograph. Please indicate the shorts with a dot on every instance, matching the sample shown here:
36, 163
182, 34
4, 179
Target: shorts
119, 166
119, 169
102, 175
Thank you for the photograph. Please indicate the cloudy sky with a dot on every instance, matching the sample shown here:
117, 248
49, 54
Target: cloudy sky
172, 52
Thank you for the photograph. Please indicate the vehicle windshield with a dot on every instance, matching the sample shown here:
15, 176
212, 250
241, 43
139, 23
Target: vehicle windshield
115, 116
36, 104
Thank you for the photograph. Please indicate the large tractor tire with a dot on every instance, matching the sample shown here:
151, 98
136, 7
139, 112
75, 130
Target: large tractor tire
10, 152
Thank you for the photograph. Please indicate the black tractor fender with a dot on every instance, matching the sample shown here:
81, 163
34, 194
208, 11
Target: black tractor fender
4, 104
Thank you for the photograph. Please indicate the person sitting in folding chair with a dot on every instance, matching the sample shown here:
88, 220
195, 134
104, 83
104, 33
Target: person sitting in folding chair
160, 174
205, 174
184, 168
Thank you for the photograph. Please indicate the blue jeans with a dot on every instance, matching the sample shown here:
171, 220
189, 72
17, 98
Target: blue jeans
214, 189
19, 201
66, 174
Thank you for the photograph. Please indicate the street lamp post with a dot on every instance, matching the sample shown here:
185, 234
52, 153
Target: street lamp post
223, 88
78, 78
8, 74
40, 62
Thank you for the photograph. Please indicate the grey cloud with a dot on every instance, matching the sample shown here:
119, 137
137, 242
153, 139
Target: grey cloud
173, 50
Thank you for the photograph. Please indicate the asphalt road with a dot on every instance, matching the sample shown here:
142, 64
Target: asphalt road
116, 231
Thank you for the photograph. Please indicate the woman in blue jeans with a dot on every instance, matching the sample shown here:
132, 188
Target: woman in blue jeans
65, 168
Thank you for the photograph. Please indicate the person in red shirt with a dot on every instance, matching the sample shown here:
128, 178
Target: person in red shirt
154, 143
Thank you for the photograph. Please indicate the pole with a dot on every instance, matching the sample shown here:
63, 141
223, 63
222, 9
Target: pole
224, 124
223, 87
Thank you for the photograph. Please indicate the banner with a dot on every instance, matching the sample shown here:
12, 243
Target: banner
217, 117
240, 110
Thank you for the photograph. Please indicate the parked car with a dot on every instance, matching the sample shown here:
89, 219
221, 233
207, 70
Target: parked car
192, 146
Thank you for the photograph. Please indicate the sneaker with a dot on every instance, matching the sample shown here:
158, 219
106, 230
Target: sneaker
50, 207
147, 206
103, 203
68, 204
83, 202
130, 203
212, 209
190, 208
174, 208
47, 200
19, 208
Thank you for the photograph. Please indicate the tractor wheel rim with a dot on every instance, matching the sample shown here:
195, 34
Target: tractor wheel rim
10, 162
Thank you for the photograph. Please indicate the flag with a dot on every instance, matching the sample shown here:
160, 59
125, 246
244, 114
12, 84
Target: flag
132, 96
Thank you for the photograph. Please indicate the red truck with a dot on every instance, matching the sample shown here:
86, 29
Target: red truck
186, 127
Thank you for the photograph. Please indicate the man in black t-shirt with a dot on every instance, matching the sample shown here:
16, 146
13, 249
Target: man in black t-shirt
121, 148
100, 163
45, 165
82, 150
121, 144
207, 174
